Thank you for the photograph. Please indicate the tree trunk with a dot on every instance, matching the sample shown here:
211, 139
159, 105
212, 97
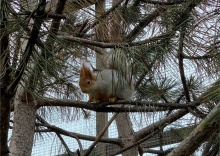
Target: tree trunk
126, 132
123, 122
101, 118
5, 95
24, 108
4, 121
23, 125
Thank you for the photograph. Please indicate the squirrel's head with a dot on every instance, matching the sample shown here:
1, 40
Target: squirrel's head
87, 79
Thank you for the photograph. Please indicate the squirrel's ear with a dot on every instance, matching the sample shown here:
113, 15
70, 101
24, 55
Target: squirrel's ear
83, 69
86, 72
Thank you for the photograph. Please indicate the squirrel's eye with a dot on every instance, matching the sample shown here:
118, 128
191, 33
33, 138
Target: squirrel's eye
88, 82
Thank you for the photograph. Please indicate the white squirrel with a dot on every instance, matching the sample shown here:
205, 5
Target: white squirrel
107, 85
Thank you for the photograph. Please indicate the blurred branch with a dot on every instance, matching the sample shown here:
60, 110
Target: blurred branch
163, 3
136, 143
161, 123
65, 145
180, 58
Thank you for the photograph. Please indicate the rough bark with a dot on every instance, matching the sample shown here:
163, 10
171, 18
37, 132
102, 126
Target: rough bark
126, 132
101, 118
23, 125
24, 108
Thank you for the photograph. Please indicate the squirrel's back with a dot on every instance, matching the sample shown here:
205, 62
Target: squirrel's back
113, 84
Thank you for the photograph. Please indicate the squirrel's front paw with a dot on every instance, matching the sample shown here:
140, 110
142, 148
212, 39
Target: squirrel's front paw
94, 101
112, 99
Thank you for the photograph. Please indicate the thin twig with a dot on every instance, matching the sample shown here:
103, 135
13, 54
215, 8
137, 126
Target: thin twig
101, 134
60, 137
77, 135
103, 16
65, 145
136, 143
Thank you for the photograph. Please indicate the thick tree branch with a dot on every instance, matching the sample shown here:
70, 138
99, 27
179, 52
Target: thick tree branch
161, 123
130, 106
200, 134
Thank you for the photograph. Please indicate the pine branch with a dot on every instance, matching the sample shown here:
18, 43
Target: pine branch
115, 6
30, 46
142, 24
